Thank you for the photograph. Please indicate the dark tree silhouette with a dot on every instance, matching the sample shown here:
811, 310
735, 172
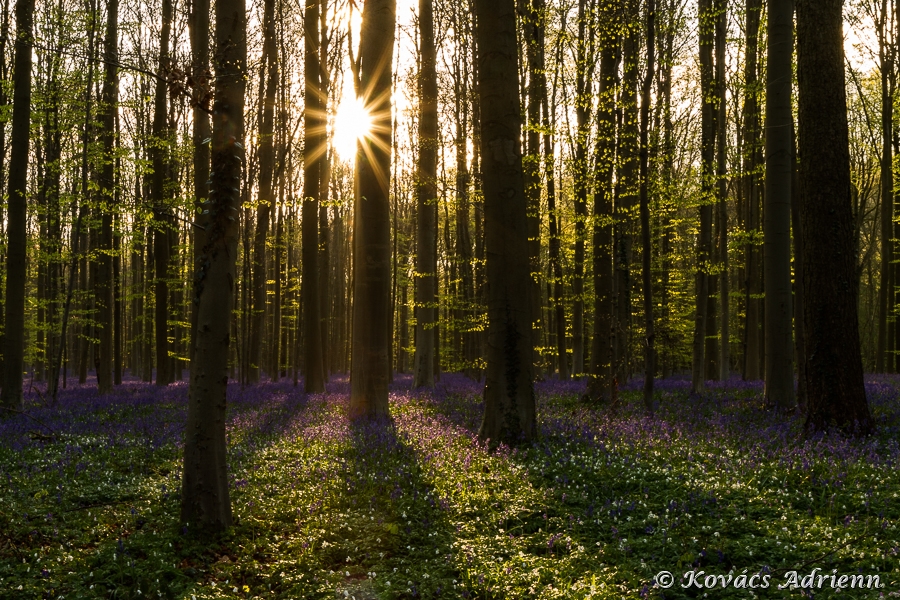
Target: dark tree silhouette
834, 373
509, 413
204, 497
370, 338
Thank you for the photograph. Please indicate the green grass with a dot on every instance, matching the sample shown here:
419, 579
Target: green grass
418, 508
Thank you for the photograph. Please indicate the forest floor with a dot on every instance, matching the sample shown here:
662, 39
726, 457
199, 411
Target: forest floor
599, 506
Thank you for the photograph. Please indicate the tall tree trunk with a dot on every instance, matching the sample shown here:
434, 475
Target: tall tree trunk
834, 371
583, 76
17, 240
313, 150
601, 381
426, 203
205, 495
533, 27
704, 241
161, 243
555, 267
268, 88
103, 290
199, 30
884, 358
797, 240
4, 100
722, 189
509, 414
650, 403
372, 227
777, 228
751, 193
628, 197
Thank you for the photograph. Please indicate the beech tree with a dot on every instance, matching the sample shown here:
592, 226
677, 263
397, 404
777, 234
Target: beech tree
836, 395
204, 495
777, 228
509, 413
14, 335
370, 337
426, 203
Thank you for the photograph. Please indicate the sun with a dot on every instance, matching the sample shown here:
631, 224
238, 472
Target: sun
351, 123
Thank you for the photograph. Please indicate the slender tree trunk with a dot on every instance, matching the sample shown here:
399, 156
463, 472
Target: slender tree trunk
205, 495
533, 26
777, 228
704, 242
426, 203
722, 190
199, 30
600, 384
266, 199
509, 414
650, 403
372, 227
834, 372
583, 76
797, 240
556, 274
161, 244
103, 290
884, 358
313, 149
16, 269
751, 193
628, 198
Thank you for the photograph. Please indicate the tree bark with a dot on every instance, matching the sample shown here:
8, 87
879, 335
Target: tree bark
313, 149
17, 239
103, 291
650, 403
426, 203
205, 494
509, 414
161, 249
371, 344
199, 31
777, 228
834, 372
751, 193
722, 189
600, 384
704, 241
584, 74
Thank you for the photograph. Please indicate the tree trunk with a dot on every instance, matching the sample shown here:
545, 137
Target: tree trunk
556, 274
583, 76
884, 360
199, 30
161, 209
103, 290
628, 196
600, 384
426, 203
533, 29
313, 149
722, 189
509, 414
17, 237
650, 403
707, 151
834, 372
372, 227
779, 121
751, 193
205, 498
